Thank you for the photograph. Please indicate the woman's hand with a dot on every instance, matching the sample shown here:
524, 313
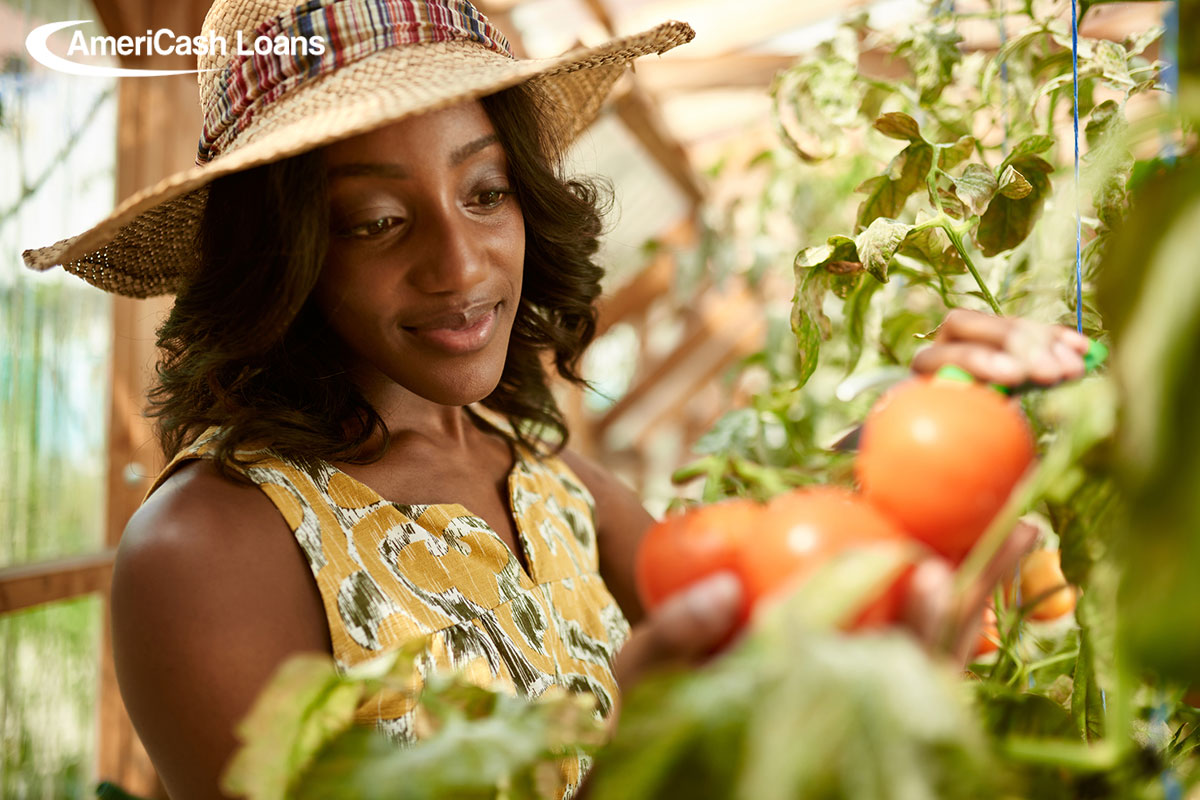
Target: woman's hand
1005, 350
946, 622
684, 630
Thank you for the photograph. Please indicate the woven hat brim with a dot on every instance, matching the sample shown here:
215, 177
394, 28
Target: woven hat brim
146, 246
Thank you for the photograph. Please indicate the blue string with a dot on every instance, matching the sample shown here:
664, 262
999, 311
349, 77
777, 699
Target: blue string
1170, 73
1078, 214
1001, 23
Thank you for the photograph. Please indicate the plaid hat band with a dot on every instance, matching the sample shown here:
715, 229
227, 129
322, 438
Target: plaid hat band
319, 37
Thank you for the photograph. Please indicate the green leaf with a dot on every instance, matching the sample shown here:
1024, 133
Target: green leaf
878, 244
887, 193
1012, 184
975, 187
1113, 63
857, 306
306, 704
735, 432
898, 125
1151, 298
1029, 146
905, 331
950, 156
809, 323
514, 748
1105, 120
933, 246
933, 54
795, 712
1008, 221
836, 248
1087, 697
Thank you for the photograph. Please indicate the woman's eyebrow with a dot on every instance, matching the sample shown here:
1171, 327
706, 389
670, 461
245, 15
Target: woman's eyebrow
395, 171
471, 148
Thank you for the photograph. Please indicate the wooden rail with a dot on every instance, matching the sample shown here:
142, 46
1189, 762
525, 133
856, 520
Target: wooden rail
49, 581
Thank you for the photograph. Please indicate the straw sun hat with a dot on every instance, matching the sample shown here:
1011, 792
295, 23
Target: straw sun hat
383, 61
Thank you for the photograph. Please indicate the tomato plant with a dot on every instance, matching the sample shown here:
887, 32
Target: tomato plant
940, 457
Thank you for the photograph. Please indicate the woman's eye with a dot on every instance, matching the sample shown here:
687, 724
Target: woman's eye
372, 228
492, 198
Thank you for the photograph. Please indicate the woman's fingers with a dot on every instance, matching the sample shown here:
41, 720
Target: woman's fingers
945, 623
1007, 350
685, 628
986, 364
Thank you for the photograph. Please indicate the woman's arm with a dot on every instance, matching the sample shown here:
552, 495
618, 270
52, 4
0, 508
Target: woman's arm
621, 521
210, 594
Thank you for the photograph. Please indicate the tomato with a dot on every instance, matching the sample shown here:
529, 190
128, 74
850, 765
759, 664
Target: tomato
1042, 576
940, 457
989, 634
802, 529
685, 547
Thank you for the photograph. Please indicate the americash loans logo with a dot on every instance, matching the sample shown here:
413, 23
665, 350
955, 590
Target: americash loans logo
163, 42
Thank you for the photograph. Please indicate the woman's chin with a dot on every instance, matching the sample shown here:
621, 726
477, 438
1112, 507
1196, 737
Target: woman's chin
463, 391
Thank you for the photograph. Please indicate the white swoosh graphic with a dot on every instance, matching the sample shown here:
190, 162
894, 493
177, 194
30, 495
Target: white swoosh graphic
35, 43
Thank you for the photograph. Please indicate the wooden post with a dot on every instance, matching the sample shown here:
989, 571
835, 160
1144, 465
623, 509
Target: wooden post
158, 123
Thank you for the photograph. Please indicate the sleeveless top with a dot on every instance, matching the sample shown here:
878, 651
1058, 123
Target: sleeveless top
389, 573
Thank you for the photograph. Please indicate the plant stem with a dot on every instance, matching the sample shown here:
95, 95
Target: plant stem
1047, 662
957, 241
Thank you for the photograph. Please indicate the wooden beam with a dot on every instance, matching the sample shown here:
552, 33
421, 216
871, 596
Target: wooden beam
600, 12
636, 296
121, 17
158, 122
47, 582
721, 316
742, 70
738, 340
637, 111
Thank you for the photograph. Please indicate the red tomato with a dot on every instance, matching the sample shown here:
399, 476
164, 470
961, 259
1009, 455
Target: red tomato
940, 457
803, 529
685, 547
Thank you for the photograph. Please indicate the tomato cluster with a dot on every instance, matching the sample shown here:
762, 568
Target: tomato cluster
768, 546
938, 459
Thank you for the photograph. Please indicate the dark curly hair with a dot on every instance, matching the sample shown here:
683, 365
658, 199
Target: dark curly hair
246, 348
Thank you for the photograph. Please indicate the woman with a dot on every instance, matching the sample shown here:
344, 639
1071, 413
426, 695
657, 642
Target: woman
371, 264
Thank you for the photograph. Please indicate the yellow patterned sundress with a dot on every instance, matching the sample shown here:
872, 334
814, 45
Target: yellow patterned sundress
389, 573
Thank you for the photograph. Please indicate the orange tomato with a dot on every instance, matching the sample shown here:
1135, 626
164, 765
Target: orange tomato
1042, 577
685, 547
940, 457
802, 529
989, 634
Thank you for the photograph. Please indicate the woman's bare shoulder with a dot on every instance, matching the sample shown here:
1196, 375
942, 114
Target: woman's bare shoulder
210, 594
198, 508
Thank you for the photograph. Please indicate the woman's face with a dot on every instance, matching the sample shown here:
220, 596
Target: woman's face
426, 252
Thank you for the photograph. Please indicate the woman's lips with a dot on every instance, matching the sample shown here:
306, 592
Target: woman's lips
458, 333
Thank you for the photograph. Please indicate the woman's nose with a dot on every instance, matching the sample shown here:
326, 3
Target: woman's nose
453, 255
